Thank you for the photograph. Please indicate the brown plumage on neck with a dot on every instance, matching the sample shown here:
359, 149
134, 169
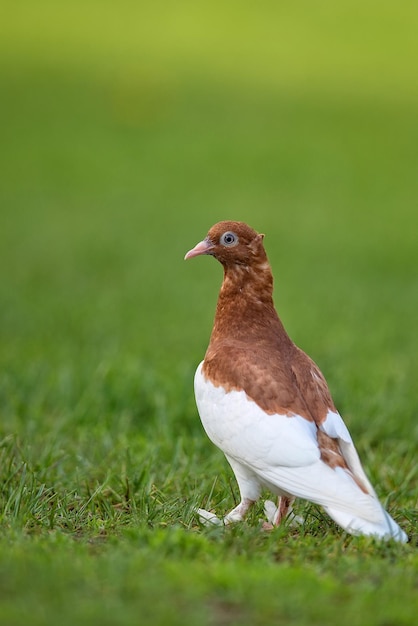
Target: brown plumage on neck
245, 309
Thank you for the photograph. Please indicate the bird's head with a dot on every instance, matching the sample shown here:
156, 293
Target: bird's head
231, 243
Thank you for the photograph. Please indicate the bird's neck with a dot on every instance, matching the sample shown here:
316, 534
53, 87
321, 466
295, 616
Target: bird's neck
245, 307
253, 283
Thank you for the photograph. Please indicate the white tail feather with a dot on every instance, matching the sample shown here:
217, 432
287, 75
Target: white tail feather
387, 529
357, 512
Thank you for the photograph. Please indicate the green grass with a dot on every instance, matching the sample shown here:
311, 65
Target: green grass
127, 132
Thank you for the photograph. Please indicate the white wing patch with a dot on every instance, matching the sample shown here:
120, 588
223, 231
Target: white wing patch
334, 426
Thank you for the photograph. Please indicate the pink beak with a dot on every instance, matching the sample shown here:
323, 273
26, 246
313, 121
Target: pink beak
203, 247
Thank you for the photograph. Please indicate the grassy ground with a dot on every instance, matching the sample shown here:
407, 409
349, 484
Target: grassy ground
128, 131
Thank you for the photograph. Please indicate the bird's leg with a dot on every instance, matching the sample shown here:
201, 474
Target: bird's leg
284, 508
239, 512
274, 514
249, 489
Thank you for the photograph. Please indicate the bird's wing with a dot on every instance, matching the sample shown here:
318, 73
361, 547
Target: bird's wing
314, 390
331, 488
334, 427
260, 370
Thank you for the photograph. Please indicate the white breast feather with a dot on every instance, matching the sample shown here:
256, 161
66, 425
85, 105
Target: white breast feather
241, 429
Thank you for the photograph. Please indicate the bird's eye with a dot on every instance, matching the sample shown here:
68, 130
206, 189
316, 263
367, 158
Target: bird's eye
229, 239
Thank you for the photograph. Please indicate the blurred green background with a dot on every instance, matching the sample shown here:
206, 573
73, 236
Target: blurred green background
128, 129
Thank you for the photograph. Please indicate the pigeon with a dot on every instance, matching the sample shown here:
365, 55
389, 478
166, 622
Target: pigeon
267, 405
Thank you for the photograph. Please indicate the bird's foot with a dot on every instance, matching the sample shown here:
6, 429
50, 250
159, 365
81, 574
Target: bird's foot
270, 511
236, 515
208, 519
274, 514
